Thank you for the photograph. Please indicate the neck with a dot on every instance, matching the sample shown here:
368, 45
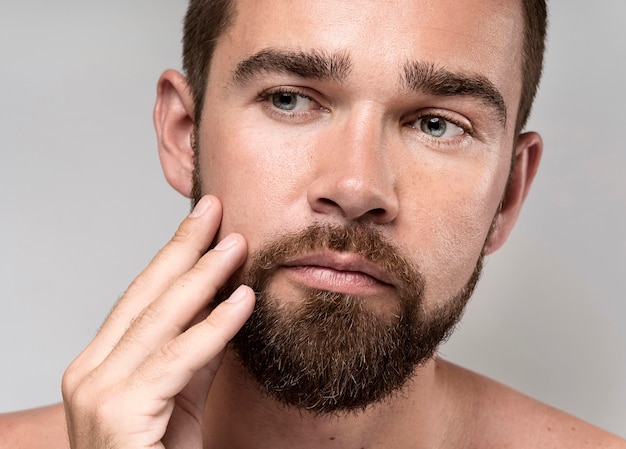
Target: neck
240, 416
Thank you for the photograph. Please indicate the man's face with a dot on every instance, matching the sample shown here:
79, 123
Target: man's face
392, 118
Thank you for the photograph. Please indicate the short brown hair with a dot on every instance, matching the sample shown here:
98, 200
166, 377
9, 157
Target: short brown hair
206, 20
534, 44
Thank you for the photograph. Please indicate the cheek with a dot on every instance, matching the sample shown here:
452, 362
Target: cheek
449, 225
259, 179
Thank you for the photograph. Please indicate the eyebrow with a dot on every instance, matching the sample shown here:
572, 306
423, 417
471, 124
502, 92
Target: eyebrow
416, 76
426, 78
314, 64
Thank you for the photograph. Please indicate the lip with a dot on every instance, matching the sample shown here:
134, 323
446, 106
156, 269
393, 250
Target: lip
347, 272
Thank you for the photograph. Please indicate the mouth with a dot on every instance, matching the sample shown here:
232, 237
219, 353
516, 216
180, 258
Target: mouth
346, 273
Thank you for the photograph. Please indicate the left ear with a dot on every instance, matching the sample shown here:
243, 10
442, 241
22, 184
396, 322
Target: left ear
173, 122
527, 156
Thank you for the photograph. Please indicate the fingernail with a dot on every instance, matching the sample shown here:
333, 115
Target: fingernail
228, 242
201, 207
237, 295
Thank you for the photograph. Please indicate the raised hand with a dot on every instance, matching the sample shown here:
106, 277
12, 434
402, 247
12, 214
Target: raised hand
144, 379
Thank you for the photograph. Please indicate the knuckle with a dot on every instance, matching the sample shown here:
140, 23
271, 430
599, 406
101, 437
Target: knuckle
173, 350
139, 285
216, 327
182, 234
94, 401
73, 377
142, 327
69, 381
150, 314
183, 239
82, 397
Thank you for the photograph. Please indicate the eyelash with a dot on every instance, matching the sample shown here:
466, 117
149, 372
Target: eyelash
266, 95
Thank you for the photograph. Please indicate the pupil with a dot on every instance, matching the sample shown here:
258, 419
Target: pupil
285, 101
434, 126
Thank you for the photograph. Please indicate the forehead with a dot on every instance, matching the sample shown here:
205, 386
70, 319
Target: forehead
380, 36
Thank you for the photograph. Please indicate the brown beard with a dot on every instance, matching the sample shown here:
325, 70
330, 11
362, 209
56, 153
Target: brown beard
328, 352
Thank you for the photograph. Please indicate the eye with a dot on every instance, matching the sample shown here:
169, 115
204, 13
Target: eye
438, 127
292, 101
292, 104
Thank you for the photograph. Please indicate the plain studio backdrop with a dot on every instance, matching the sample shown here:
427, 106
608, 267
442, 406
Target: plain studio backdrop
84, 205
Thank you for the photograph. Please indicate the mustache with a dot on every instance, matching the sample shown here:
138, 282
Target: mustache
359, 239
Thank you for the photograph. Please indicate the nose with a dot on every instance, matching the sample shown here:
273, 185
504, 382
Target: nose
354, 176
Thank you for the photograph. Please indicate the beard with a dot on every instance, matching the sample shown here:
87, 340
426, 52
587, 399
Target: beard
328, 352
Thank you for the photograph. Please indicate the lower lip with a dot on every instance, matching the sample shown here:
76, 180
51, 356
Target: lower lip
324, 278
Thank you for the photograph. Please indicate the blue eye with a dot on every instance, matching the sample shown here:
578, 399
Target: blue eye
439, 127
285, 101
434, 126
292, 101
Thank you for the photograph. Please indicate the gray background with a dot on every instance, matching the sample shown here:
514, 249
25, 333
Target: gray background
84, 206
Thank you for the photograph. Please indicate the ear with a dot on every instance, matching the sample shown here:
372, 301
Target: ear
527, 156
173, 121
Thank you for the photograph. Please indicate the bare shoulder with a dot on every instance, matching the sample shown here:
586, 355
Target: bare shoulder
499, 416
34, 429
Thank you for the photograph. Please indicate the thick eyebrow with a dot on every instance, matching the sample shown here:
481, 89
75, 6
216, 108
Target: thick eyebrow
426, 78
314, 64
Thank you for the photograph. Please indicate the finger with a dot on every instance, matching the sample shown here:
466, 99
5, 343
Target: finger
167, 371
171, 314
190, 241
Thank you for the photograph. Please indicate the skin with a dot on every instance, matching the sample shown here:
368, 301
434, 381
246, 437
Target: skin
386, 173
157, 374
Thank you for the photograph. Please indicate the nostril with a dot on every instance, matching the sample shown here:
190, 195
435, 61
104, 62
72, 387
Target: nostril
378, 212
329, 205
354, 201
328, 202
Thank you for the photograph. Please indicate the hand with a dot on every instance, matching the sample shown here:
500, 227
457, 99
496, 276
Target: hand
144, 379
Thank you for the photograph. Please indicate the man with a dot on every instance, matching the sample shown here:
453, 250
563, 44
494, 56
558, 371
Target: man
352, 162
